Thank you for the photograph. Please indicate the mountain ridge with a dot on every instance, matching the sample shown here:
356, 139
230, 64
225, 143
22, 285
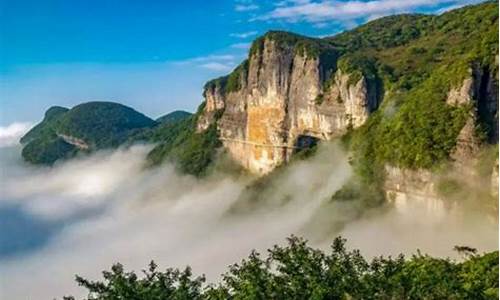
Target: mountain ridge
382, 87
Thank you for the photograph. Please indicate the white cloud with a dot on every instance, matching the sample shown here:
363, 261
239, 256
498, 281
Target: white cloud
83, 183
176, 220
10, 135
321, 11
246, 7
241, 45
244, 35
141, 215
217, 66
207, 58
218, 63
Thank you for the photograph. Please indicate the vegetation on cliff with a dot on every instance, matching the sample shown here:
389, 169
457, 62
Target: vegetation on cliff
50, 120
419, 59
190, 151
179, 142
299, 44
297, 271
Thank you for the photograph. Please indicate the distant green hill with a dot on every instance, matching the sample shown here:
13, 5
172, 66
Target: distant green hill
86, 127
173, 117
98, 125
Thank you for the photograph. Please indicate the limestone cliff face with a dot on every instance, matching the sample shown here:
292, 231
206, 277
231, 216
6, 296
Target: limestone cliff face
280, 99
403, 186
480, 92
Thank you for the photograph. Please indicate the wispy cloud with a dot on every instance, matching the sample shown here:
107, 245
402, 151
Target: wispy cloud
10, 135
241, 45
246, 7
207, 58
133, 215
217, 66
244, 35
321, 11
218, 63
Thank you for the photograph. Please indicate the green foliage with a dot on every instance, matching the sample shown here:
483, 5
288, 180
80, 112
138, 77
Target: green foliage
48, 150
257, 47
479, 277
319, 99
173, 117
233, 83
217, 83
297, 271
423, 131
154, 285
358, 66
368, 195
417, 59
99, 124
46, 127
192, 152
301, 45
391, 31
103, 124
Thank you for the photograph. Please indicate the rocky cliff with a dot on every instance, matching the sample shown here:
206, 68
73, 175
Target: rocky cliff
285, 97
415, 98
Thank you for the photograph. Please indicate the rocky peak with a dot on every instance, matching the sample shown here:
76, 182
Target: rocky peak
289, 87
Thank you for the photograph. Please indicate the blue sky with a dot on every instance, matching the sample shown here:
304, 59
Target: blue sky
151, 55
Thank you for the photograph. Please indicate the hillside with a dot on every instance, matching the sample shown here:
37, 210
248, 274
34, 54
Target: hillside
92, 126
86, 127
173, 117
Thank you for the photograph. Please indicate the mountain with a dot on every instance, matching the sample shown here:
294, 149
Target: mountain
89, 126
408, 95
173, 117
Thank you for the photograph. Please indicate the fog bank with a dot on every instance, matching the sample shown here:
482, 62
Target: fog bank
106, 208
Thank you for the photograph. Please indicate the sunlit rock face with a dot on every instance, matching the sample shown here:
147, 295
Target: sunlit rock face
281, 96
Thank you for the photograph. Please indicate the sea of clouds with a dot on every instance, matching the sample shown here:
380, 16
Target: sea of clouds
81, 216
